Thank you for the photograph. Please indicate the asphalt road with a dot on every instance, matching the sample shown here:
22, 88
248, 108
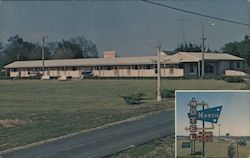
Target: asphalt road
103, 142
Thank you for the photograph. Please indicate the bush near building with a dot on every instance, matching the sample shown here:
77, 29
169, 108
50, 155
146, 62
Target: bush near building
134, 98
167, 93
233, 79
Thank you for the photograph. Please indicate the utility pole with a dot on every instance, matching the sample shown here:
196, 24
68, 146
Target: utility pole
203, 51
18, 57
237, 147
248, 18
158, 49
219, 125
203, 126
43, 56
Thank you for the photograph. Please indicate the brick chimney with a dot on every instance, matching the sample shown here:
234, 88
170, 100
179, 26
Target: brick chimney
109, 54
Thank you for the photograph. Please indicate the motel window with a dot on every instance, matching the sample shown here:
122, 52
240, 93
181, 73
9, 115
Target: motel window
74, 68
171, 70
180, 65
136, 67
238, 64
147, 67
14, 70
156, 71
191, 68
209, 68
61, 68
38, 69
109, 68
231, 65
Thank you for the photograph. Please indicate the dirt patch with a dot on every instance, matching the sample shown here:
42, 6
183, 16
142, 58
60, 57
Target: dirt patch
13, 122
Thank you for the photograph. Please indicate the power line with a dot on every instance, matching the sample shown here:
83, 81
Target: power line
195, 13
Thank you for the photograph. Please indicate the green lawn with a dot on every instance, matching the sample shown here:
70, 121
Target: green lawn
57, 108
215, 149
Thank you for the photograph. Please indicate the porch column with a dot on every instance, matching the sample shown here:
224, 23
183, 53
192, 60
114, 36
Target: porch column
138, 70
199, 68
5, 72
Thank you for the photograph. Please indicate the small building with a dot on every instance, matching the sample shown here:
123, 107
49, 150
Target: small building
176, 65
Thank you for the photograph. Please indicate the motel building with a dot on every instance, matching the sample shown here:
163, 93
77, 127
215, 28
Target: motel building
176, 65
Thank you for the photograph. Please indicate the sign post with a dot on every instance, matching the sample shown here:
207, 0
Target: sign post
203, 126
210, 115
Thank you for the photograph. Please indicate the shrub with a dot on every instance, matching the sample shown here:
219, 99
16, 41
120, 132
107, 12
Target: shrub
231, 151
167, 93
233, 79
134, 98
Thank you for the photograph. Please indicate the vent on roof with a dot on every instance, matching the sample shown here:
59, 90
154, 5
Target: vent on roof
109, 54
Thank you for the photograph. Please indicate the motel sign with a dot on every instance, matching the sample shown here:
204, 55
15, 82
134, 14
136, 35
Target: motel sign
210, 115
207, 115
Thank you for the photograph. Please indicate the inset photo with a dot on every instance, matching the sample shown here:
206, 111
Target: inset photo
214, 123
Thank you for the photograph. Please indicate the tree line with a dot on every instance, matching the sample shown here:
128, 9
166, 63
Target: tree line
17, 48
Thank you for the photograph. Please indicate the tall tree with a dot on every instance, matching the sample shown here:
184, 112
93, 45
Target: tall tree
87, 47
18, 49
63, 53
78, 47
241, 49
190, 47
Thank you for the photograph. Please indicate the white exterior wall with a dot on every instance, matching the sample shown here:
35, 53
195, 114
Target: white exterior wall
138, 73
174, 72
14, 74
234, 73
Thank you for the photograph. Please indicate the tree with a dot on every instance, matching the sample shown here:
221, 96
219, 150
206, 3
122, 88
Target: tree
63, 53
1, 47
231, 151
227, 135
18, 49
184, 47
79, 47
241, 49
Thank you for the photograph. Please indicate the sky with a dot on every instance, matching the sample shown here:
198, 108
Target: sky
235, 113
131, 28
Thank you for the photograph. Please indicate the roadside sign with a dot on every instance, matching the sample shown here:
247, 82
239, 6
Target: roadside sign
206, 133
193, 128
193, 136
242, 143
185, 145
193, 103
208, 115
206, 136
193, 121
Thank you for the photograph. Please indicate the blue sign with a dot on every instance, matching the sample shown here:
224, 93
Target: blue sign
185, 145
208, 115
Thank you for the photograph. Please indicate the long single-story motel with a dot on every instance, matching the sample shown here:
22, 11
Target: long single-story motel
176, 65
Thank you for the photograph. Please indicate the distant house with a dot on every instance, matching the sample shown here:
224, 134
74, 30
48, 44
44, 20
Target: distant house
176, 65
